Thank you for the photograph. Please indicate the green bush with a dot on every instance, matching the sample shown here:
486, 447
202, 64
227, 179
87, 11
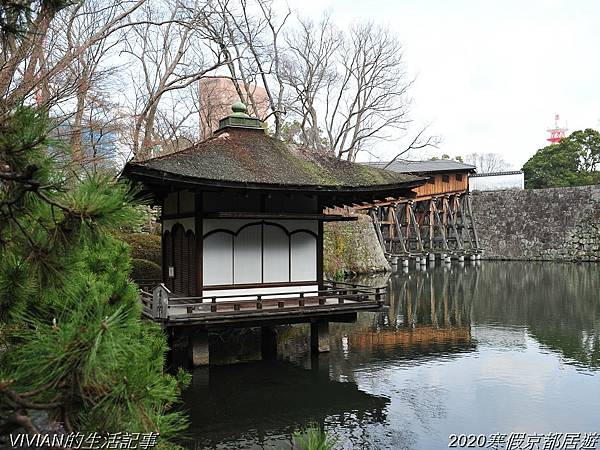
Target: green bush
143, 246
145, 270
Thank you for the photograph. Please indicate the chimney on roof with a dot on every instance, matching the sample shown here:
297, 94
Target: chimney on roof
240, 119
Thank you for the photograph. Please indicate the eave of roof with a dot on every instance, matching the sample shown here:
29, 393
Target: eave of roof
155, 176
420, 167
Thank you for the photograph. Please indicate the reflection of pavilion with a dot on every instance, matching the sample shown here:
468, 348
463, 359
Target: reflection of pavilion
261, 400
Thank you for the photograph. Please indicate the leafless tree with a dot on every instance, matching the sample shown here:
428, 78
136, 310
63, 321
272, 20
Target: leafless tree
487, 162
38, 56
369, 97
136, 65
252, 34
169, 46
89, 107
420, 141
308, 68
224, 30
175, 126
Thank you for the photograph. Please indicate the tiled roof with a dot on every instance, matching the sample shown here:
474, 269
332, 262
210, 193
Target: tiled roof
496, 174
421, 167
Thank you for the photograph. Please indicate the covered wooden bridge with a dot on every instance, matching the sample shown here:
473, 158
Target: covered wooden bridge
436, 221
242, 233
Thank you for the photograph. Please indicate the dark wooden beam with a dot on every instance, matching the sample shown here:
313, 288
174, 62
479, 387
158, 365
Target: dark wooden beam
277, 216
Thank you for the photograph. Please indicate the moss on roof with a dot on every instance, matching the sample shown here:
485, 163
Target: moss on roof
250, 156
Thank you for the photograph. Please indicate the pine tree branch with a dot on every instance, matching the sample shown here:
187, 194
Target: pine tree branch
19, 400
22, 420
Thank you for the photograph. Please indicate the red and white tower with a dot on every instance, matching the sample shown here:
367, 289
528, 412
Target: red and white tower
556, 133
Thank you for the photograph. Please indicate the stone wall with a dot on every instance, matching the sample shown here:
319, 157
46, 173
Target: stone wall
540, 224
352, 248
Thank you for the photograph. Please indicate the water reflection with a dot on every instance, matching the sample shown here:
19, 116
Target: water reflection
254, 405
496, 347
559, 304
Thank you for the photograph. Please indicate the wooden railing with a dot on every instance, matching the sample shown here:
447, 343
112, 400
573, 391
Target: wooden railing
162, 304
147, 284
146, 299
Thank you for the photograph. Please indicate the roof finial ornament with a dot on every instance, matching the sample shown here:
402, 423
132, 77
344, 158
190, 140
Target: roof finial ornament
239, 109
240, 119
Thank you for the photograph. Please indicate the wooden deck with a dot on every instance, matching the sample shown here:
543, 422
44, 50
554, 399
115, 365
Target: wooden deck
338, 301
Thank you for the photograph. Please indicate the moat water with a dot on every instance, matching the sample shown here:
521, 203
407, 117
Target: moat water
497, 347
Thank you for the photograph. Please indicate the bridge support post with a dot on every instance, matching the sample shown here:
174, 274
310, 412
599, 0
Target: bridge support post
268, 343
178, 344
319, 336
198, 348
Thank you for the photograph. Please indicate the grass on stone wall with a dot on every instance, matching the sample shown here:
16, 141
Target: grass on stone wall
347, 249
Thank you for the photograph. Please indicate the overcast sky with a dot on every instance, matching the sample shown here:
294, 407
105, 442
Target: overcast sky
491, 74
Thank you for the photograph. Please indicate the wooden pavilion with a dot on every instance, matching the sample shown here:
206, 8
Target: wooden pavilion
242, 230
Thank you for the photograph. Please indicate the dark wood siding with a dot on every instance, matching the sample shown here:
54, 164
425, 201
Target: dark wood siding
179, 251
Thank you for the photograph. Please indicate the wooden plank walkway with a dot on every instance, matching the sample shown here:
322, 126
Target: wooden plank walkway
334, 299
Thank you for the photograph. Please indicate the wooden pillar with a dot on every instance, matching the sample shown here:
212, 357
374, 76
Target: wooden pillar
178, 348
407, 217
374, 213
416, 227
431, 225
198, 231
389, 218
198, 348
319, 336
445, 214
398, 227
268, 343
319, 255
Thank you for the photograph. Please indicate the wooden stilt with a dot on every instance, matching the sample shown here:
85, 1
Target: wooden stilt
376, 223
400, 235
198, 349
319, 336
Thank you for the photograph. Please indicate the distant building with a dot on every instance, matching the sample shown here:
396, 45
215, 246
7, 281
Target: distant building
497, 181
100, 147
99, 143
217, 94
